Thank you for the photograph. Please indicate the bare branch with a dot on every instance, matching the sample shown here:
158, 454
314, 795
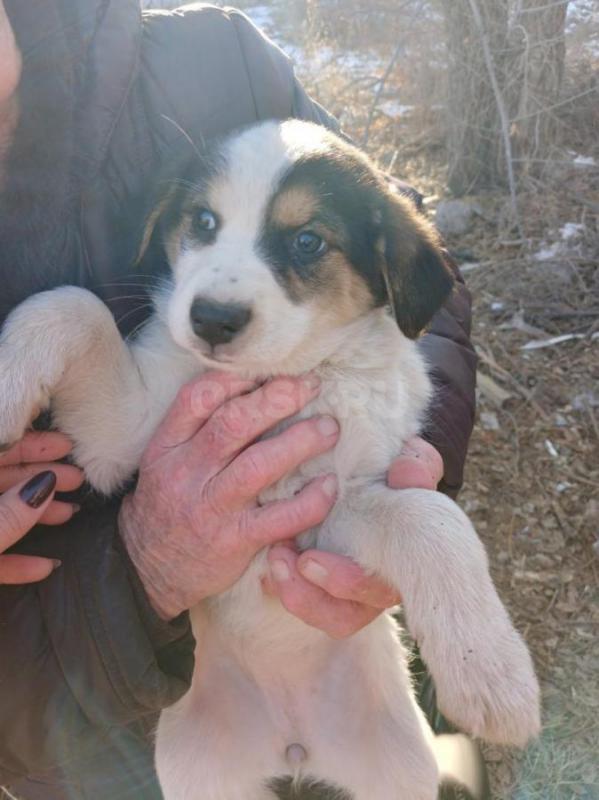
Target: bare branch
503, 115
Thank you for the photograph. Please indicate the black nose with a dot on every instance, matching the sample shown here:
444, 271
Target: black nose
217, 323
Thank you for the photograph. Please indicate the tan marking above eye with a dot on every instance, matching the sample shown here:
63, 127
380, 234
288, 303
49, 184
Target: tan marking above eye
294, 207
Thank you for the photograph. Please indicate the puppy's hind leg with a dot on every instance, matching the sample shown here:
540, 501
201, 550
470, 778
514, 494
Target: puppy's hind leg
424, 545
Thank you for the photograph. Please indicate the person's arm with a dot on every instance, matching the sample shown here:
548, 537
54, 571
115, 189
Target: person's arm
452, 365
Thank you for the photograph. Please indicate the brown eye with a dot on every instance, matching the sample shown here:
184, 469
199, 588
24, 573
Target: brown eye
308, 245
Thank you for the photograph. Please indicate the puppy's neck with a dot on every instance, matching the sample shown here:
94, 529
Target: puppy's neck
368, 344
368, 347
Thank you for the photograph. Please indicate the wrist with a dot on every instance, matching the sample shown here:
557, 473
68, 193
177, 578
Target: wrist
150, 568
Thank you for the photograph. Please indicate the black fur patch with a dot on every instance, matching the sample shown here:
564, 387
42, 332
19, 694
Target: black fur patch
347, 203
353, 201
285, 790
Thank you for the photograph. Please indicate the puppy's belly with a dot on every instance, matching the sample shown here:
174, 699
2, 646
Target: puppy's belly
263, 710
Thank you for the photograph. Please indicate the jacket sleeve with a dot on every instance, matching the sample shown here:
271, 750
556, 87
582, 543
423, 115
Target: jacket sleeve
85, 651
452, 365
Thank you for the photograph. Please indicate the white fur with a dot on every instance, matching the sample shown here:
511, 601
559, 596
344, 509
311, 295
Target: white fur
264, 680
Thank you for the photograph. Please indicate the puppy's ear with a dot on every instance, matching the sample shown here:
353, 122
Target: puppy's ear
152, 218
416, 276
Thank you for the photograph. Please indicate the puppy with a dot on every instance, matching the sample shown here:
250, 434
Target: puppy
288, 254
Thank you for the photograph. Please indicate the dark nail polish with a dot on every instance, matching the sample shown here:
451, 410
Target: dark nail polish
38, 489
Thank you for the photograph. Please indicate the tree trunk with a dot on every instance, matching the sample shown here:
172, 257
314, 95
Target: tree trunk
527, 43
535, 80
473, 135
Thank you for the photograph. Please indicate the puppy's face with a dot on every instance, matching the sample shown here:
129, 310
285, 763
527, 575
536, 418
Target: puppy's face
287, 236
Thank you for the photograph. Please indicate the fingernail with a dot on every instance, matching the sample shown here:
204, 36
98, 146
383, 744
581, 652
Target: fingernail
38, 489
313, 571
279, 570
328, 426
311, 381
75, 507
329, 485
57, 563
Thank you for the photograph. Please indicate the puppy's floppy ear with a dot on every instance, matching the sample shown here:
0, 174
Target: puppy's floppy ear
152, 217
416, 276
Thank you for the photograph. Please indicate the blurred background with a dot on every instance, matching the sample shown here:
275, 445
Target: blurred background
490, 108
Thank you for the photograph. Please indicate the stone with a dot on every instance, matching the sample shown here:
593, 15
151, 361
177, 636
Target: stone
454, 217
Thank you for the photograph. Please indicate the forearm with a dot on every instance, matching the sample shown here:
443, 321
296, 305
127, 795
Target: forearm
103, 664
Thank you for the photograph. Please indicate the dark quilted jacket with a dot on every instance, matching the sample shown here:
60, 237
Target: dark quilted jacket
85, 665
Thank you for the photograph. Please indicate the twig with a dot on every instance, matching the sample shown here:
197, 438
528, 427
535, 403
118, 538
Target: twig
503, 115
525, 393
379, 91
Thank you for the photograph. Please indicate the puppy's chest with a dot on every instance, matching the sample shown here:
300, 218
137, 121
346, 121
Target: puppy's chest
373, 420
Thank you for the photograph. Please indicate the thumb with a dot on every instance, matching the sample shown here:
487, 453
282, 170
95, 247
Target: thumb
22, 506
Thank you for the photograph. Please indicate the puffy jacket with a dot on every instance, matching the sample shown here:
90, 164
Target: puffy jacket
85, 664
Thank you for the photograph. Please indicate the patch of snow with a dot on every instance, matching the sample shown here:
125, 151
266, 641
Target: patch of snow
584, 161
489, 421
562, 486
394, 109
550, 447
571, 230
315, 61
585, 400
261, 16
548, 252
497, 305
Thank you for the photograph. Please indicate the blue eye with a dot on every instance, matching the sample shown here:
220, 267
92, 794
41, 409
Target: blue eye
309, 244
205, 220
204, 225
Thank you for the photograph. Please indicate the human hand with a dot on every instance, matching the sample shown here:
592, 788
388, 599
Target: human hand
193, 523
28, 480
37, 452
20, 509
331, 592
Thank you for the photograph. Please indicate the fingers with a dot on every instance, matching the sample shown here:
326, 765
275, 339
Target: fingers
419, 466
285, 519
194, 404
57, 513
22, 506
237, 423
268, 461
341, 577
68, 477
313, 605
25, 569
37, 446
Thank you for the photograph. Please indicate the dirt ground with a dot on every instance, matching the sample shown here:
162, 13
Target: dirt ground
532, 489
532, 481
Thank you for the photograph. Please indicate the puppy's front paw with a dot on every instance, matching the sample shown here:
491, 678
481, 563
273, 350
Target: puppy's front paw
489, 688
17, 410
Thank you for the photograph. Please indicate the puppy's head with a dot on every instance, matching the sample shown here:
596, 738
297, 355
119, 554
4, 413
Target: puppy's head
283, 238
